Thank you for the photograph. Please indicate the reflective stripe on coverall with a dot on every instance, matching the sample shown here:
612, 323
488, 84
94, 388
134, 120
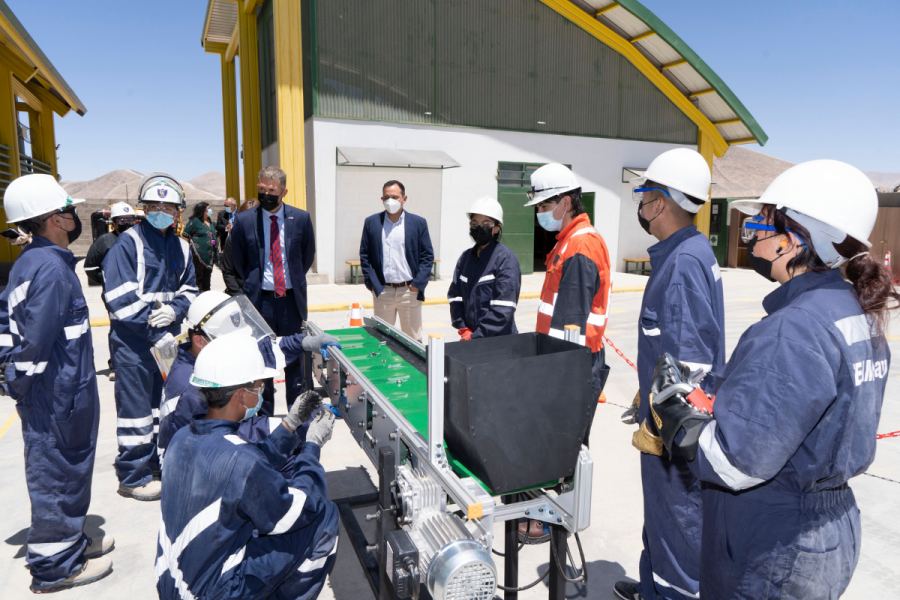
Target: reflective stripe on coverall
796, 416
682, 313
485, 291
141, 268
45, 335
233, 527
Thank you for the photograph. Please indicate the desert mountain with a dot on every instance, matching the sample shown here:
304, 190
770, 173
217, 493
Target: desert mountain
122, 184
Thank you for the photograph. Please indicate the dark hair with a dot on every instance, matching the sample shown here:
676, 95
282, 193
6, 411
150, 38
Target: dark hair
872, 281
219, 397
394, 182
200, 210
577, 203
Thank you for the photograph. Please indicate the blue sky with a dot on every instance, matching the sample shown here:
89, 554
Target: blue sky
821, 77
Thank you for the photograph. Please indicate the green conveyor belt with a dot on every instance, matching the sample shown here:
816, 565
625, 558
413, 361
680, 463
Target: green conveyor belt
398, 381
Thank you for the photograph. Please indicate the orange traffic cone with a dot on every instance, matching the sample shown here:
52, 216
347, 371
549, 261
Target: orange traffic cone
602, 399
355, 315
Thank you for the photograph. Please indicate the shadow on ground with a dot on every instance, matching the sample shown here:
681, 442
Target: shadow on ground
92, 528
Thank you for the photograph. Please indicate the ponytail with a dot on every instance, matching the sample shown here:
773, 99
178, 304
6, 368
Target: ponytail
872, 280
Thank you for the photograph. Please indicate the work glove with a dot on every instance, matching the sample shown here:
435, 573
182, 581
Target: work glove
671, 391
321, 428
630, 416
317, 343
167, 347
303, 409
162, 316
465, 334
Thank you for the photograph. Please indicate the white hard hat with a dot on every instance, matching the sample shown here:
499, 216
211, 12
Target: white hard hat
34, 195
550, 181
230, 360
120, 209
681, 170
830, 198
161, 191
488, 207
203, 305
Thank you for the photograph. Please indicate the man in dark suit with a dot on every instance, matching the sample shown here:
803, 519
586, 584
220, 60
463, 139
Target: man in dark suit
224, 223
273, 246
396, 258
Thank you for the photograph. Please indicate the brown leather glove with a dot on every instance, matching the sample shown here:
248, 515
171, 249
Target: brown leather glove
647, 442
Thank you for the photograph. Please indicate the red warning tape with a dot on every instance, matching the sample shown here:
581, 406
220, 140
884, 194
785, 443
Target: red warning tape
619, 352
887, 435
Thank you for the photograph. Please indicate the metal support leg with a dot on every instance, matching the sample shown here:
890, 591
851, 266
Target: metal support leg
511, 561
387, 474
557, 544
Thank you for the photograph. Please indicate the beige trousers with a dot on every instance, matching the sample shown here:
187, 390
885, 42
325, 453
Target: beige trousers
400, 300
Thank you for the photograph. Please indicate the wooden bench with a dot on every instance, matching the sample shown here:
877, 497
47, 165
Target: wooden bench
354, 270
641, 266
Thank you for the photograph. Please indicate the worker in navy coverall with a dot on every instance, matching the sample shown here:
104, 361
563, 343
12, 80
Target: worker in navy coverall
486, 282
47, 360
232, 526
682, 313
797, 409
149, 285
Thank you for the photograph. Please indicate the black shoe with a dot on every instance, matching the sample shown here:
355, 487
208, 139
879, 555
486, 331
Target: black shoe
627, 590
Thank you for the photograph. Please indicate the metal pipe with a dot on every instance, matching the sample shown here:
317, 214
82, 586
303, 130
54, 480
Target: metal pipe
436, 400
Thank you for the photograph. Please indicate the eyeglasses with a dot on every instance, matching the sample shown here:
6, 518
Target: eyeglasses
123, 221
169, 209
259, 390
485, 223
530, 195
637, 194
751, 225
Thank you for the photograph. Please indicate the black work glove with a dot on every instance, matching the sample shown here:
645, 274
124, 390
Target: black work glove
302, 409
669, 388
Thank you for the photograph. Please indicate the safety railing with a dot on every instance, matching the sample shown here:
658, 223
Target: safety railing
31, 165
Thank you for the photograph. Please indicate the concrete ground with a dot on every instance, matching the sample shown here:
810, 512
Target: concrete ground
612, 544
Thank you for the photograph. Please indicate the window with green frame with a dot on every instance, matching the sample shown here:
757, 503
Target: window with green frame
265, 32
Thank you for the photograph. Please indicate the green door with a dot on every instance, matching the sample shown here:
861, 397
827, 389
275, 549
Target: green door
587, 198
718, 229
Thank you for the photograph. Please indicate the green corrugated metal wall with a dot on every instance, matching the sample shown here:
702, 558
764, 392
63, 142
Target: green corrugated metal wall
497, 64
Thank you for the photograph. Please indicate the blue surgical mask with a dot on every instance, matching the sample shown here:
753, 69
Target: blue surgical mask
209, 212
252, 411
228, 209
546, 220
161, 220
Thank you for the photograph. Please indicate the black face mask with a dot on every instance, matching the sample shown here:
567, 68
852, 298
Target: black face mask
76, 232
645, 223
482, 235
760, 265
268, 201
123, 227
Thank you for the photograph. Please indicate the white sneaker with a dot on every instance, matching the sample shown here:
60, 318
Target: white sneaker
98, 546
93, 570
145, 493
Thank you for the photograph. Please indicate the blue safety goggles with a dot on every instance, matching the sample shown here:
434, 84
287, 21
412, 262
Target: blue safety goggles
756, 223
637, 194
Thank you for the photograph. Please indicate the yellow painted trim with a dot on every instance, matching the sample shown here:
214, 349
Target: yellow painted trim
287, 16
230, 130
727, 122
49, 100
250, 101
43, 134
9, 136
33, 74
99, 321
249, 5
215, 48
8, 424
643, 36
606, 9
26, 96
26, 51
14, 62
233, 43
749, 140
699, 93
701, 219
648, 69
673, 64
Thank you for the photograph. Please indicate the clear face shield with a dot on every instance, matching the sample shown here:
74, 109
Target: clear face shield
236, 314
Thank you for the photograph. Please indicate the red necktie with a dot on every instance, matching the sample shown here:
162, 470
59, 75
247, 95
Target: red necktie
275, 257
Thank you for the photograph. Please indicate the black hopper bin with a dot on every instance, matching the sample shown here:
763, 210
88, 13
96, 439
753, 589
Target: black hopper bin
516, 408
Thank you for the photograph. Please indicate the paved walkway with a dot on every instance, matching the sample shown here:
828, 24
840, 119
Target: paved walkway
612, 544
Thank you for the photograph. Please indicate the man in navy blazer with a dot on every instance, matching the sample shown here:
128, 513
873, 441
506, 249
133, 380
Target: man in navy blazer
273, 246
396, 258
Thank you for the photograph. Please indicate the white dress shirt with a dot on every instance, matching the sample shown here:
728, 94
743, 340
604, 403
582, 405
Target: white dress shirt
393, 246
268, 282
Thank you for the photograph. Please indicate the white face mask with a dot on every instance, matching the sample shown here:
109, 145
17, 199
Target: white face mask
392, 205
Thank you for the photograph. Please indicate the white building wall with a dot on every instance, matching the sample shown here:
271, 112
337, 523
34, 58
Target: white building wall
597, 163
